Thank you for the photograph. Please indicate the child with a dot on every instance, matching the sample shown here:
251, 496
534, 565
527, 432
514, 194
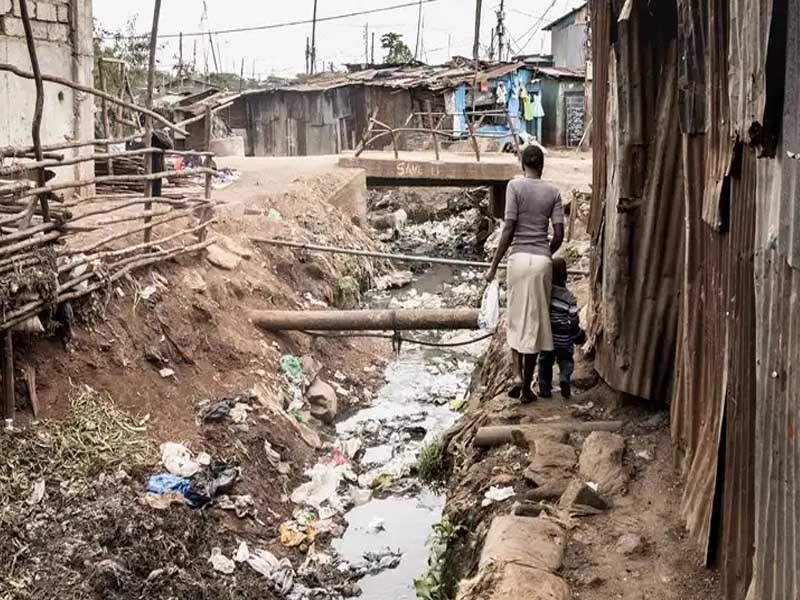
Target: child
566, 332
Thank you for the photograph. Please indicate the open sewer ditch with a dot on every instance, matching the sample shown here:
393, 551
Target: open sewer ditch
370, 479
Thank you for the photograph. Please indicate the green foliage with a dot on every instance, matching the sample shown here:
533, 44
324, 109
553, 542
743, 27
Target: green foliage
431, 465
440, 581
124, 45
397, 52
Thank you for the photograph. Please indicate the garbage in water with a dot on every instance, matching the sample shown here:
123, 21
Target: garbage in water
497, 494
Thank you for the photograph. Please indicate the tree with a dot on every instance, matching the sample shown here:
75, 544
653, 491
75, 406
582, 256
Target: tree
397, 50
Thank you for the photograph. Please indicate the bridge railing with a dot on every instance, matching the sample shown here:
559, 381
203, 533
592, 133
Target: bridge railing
432, 123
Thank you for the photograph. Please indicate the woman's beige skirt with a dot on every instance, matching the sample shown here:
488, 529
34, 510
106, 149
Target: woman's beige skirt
529, 287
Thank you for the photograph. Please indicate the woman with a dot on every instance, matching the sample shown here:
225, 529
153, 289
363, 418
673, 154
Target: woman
531, 206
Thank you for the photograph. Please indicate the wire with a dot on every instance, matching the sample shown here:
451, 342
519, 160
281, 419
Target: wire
383, 336
280, 25
535, 29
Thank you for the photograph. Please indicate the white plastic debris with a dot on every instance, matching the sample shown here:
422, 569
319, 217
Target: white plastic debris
595, 487
221, 563
497, 494
148, 292
178, 460
242, 553
240, 412
376, 525
645, 455
489, 315
166, 372
37, 493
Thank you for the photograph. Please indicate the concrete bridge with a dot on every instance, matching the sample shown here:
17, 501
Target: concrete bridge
451, 170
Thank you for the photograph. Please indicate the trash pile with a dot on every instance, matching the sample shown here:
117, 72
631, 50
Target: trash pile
194, 480
459, 235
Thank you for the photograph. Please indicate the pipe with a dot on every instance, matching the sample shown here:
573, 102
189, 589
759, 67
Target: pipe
365, 320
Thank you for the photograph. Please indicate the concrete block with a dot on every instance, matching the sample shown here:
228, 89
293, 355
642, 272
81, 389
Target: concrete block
46, 12
518, 581
57, 32
6, 6
62, 13
17, 11
12, 26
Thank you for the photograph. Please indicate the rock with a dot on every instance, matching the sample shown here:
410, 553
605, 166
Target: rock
526, 508
589, 580
311, 367
579, 494
324, 404
347, 294
547, 491
514, 582
235, 247
394, 280
222, 258
535, 543
554, 455
630, 545
195, 282
601, 461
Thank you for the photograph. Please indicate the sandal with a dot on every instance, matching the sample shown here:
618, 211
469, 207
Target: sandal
515, 391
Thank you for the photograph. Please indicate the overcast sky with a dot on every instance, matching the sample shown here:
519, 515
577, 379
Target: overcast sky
447, 23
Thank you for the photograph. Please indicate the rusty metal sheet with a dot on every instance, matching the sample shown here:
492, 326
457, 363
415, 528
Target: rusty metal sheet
601, 44
777, 459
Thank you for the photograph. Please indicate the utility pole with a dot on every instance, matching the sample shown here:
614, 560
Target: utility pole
372, 56
449, 40
314, 41
308, 56
180, 55
491, 45
419, 30
366, 43
501, 15
476, 46
213, 52
241, 78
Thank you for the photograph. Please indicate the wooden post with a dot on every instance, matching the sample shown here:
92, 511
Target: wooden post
104, 109
365, 136
9, 403
207, 212
36, 127
573, 215
148, 124
472, 137
429, 108
30, 384
513, 131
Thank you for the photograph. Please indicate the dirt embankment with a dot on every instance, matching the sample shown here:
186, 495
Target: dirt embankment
551, 507
161, 346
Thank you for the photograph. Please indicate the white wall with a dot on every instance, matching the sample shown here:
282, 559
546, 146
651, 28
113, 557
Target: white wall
63, 32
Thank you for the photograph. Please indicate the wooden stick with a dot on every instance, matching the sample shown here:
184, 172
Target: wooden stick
105, 122
34, 241
207, 134
473, 138
199, 118
111, 179
30, 384
148, 123
36, 127
19, 152
30, 309
94, 92
176, 214
385, 255
9, 401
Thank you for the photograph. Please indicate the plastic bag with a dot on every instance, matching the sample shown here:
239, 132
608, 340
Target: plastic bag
489, 315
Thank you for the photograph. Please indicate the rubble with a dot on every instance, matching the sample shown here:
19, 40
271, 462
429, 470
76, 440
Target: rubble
601, 461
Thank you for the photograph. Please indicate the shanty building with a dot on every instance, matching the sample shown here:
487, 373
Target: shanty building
330, 113
696, 234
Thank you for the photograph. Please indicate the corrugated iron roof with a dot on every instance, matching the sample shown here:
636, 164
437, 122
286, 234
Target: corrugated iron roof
437, 77
551, 25
563, 72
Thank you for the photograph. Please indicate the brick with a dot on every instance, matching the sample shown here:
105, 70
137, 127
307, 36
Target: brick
17, 11
39, 30
6, 6
13, 26
62, 13
46, 12
57, 32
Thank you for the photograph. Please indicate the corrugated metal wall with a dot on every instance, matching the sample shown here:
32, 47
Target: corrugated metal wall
732, 214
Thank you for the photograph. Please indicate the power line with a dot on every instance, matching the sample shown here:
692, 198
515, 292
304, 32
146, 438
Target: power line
281, 25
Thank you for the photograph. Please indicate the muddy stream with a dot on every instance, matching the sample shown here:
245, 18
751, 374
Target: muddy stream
389, 513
